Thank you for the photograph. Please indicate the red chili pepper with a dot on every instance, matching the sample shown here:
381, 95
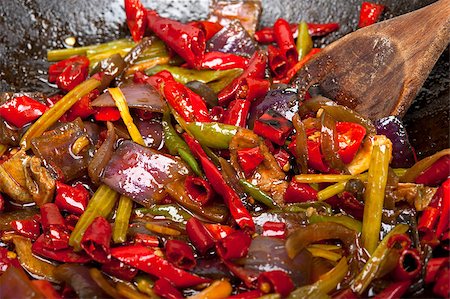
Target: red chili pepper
209, 28
136, 18
247, 295
346, 294
96, 240
232, 200
71, 220
351, 205
409, 265
22, 110
28, 228
82, 108
436, 173
266, 35
145, 259
445, 240
69, 73
219, 231
6, 260
350, 136
46, 289
283, 37
2, 202
223, 61
156, 80
276, 281
369, 14
199, 235
189, 105
119, 269
255, 70
180, 254
250, 89
186, 40
401, 239
165, 289
65, 255
282, 157
273, 126
432, 268
198, 189
444, 219
274, 229
442, 285
107, 114
234, 246
56, 235
277, 62
249, 159
293, 70
146, 240
394, 290
299, 192
217, 114
71, 199
237, 113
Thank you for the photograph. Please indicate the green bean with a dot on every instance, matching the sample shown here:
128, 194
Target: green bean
346, 221
304, 40
101, 204
374, 194
122, 219
369, 272
54, 113
258, 194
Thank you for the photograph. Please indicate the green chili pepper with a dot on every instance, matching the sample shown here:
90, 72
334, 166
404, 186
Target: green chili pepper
346, 221
122, 219
369, 272
172, 212
374, 194
321, 207
144, 284
216, 80
176, 145
101, 204
214, 135
422, 165
258, 194
304, 40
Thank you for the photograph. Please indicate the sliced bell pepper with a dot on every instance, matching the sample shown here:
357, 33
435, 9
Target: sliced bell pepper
350, 136
273, 126
249, 159
22, 110
69, 73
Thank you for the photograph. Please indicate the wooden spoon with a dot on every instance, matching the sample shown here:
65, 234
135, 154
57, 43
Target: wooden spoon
378, 70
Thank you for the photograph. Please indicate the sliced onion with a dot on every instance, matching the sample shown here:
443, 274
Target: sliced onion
283, 101
152, 132
142, 96
233, 39
140, 172
102, 155
402, 151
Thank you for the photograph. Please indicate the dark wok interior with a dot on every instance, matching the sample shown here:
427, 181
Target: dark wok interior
29, 28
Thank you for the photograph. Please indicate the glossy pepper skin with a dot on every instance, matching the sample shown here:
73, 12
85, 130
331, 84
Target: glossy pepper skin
436, 173
274, 229
146, 260
198, 189
180, 254
296, 67
251, 89
232, 200
189, 105
277, 62
82, 108
106, 114
266, 35
65, 255
276, 281
136, 18
223, 61
165, 289
283, 37
28, 228
96, 240
71, 199
186, 40
350, 137
234, 246
369, 14
22, 110
299, 192
394, 290
255, 70
208, 28
69, 73
56, 235
249, 159
237, 113
199, 235
273, 126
